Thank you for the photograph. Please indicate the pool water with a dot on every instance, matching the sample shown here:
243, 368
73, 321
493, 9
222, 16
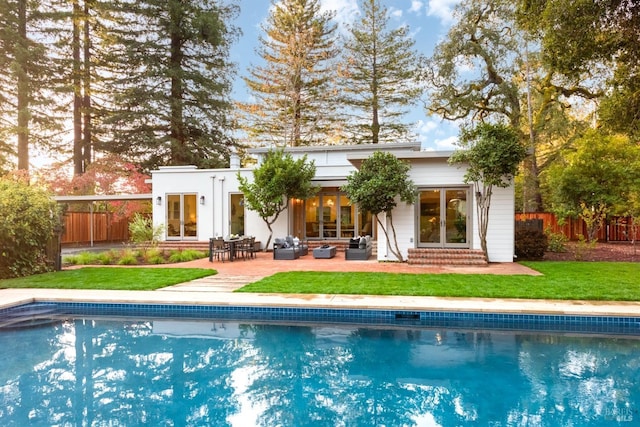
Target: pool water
166, 372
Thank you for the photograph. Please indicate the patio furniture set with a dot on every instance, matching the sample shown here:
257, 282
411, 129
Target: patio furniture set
232, 248
291, 248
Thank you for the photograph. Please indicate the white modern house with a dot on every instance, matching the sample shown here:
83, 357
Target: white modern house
197, 204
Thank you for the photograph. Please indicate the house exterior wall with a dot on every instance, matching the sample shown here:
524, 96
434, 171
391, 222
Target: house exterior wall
333, 165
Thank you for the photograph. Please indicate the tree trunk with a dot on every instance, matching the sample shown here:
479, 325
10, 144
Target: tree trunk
78, 166
395, 249
23, 89
178, 143
86, 101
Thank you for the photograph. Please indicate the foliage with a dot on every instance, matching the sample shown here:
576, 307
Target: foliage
594, 218
602, 172
376, 187
379, 75
556, 241
29, 220
530, 244
108, 175
134, 279
128, 257
143, 232
488, 68
492, 153
173, 77
292, 91
277, 180
27, 107
594, 41
185, 255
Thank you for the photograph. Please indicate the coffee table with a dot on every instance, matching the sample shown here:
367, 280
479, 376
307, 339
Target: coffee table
324, 252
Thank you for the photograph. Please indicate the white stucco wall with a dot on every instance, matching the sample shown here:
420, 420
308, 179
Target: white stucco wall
429, 170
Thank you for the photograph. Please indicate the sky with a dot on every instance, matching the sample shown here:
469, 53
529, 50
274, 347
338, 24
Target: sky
428, 22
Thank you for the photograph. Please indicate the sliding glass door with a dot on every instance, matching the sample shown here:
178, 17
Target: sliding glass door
182, 217
442, 218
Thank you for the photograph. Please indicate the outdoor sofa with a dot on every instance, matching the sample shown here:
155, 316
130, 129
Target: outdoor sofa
289, 248
360, 248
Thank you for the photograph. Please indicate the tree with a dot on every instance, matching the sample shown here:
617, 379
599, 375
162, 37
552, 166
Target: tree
376, 187
292, 89
30, 217
25, 102
492, 153
171, 79
484, 70
599, 176
379, 77
594, 41
277, 180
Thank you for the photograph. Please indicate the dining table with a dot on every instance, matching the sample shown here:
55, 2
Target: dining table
229, 241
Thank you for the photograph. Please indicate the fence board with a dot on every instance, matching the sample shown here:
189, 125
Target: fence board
617, 229
77, 228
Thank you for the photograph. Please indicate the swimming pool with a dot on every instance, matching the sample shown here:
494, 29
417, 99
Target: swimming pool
137, 364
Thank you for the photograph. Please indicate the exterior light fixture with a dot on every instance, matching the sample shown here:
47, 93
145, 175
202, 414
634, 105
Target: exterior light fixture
202, 200
158, 200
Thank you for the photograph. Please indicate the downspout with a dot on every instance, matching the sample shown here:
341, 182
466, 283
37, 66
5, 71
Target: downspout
91, 223
213, 206
222, 204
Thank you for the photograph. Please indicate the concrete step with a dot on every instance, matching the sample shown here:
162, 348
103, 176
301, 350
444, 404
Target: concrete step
434, 256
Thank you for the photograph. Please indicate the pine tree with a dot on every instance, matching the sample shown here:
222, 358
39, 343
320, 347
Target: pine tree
171, 78
379, 77
293, 93
26, 104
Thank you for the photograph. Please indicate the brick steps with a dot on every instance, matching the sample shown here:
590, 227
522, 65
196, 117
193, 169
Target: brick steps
431, 256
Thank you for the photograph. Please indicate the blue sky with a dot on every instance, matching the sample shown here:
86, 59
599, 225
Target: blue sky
428, 21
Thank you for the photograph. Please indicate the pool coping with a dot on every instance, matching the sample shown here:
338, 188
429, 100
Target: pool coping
14, 297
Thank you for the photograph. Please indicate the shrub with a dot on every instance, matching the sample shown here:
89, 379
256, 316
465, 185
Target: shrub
530, 244
143, 232
557, 241
128, 258
29, 218
185, 255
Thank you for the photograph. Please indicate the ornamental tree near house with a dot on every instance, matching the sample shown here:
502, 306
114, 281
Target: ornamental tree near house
376, 187
276, 181
492, 153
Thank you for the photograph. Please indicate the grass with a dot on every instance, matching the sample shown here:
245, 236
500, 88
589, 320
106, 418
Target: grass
600, 281
135, 279
597, 281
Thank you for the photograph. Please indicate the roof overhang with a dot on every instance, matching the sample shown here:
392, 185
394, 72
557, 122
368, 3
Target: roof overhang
411, 156
102, 198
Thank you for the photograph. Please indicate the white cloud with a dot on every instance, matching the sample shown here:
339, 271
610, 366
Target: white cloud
442, 9
448, 143
395, 13
347, 11
416, 6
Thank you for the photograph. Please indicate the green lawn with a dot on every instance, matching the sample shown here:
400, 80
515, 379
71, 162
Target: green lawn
135, 279
560, 280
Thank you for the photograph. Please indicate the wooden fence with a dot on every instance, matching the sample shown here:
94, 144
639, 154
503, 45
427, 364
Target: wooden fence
78, 228
617, 229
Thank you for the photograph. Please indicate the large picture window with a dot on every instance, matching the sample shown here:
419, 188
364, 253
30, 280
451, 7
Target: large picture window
330, 215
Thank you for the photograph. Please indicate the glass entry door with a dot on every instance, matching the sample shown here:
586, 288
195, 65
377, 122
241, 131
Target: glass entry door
182, 216
442, 218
